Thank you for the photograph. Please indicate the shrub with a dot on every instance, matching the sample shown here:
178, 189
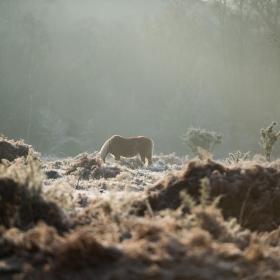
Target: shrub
268, 139
196, 138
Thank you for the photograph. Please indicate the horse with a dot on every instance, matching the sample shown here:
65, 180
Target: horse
128, 147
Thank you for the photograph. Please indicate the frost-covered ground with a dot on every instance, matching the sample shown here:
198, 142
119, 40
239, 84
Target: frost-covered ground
176, 219
114, 178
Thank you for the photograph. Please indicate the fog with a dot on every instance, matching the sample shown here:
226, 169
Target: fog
73, 73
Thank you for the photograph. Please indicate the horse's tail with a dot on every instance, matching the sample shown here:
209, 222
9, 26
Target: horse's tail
104, 150
150, 150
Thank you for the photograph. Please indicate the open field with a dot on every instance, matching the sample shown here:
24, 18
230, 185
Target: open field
76, 218
189, 86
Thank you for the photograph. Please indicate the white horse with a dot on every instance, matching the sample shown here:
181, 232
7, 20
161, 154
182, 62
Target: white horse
128, 147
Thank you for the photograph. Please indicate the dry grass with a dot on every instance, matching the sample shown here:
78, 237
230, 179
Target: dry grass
22, 204
249, 192
10, 149
176, 229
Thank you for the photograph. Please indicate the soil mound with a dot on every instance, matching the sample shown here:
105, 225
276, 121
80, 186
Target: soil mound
172, 239
11, 149
22, 203
250, 193
88, 167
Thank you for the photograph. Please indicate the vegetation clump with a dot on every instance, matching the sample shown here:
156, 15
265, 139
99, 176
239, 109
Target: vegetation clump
22, 204
196, 139
85, 164
268, 139
11, 149
249, 193
89, 166
237, 157
207, 221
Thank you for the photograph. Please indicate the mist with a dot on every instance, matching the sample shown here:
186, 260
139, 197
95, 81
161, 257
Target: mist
73, 73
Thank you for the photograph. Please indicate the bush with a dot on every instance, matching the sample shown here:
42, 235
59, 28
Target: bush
268, 139
196, 138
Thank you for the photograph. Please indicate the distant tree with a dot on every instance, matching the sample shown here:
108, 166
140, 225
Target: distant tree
269, 13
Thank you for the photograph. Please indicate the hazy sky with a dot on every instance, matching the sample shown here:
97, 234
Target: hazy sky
132, 10
85, 70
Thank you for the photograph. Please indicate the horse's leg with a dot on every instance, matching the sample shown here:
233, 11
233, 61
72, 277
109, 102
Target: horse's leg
143, 159
150, 161
149, 157
117, 157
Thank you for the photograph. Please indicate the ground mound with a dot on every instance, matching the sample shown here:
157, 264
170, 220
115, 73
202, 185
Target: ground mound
88, 166
22, 203
249, 192
127, 226
171, 246
10, 149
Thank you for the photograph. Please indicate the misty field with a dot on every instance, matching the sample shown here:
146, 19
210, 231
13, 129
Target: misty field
79, 218
73, 73
92, 89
